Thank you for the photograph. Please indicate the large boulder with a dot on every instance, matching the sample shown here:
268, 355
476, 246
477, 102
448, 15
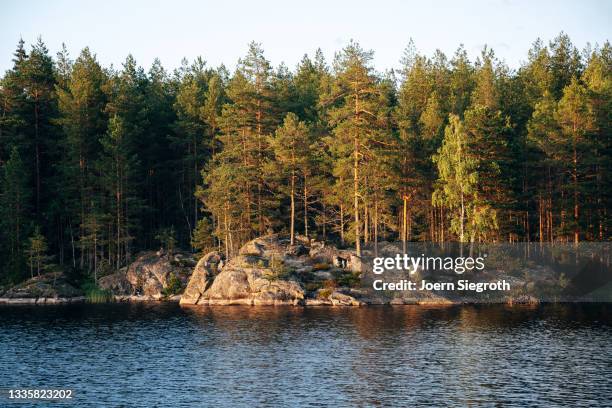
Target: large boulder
203, 275
241, 282
53, 285
151, 274
259, 275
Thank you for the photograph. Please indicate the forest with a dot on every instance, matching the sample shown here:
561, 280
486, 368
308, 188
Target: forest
98, 163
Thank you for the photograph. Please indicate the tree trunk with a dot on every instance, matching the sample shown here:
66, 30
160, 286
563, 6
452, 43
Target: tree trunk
461, 233
305, 210
575, 180
356, 197
118, 197
541, 216
292, 226
195, 183
226, 232
37, 145
342, 224
366, 224
375, 227
404, 223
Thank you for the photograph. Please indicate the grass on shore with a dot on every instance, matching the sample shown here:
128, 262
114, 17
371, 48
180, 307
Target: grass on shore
94, 294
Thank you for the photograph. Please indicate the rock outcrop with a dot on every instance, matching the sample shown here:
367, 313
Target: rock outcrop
202, 277
151, 276
51, 287
259, 275
242, 283
116, 283
268, 271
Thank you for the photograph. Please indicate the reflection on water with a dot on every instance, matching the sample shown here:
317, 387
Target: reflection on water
154, 355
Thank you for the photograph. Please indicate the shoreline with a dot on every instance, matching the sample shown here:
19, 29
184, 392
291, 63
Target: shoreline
305, 303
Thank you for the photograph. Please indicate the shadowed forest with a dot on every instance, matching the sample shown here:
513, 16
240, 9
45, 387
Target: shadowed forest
98, 163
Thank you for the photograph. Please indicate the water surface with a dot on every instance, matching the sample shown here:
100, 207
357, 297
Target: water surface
161, 355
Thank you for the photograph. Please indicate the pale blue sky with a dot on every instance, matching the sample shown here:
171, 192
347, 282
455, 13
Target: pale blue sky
220, 30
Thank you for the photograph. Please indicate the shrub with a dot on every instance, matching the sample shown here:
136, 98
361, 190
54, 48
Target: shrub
324, 293
278, 270
173, 286
350, 280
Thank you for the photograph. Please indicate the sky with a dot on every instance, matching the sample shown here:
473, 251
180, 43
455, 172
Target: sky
220, 31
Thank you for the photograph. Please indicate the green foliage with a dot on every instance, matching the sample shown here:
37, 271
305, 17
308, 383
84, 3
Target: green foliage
203, 239
173, 287
325, 293
36, 253
94, 294
102, 159
14, 209
458, 176
167, 239
277, 270
349, 279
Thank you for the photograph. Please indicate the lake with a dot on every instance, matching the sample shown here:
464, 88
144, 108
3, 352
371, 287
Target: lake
161, 355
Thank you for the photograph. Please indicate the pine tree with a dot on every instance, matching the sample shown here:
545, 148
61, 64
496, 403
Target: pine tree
292, 156
486, 92
37, 253
598, 79
14, 119
15, 193
84, 121
420, 118
354, 118
247, 121
39, 89
576, 121
93, 240
565, 64
542, 130
158, 159
120, 164
461, 82
191, 134
489, 140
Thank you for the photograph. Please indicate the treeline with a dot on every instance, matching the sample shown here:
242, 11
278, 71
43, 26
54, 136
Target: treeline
98, 163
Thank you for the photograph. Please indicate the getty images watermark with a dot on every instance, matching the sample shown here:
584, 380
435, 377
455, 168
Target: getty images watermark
412, 265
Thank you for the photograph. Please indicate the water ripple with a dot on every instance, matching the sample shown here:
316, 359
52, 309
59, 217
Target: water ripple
161, 355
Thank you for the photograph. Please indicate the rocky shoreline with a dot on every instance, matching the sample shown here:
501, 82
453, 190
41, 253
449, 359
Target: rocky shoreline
247, 302
269, 271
